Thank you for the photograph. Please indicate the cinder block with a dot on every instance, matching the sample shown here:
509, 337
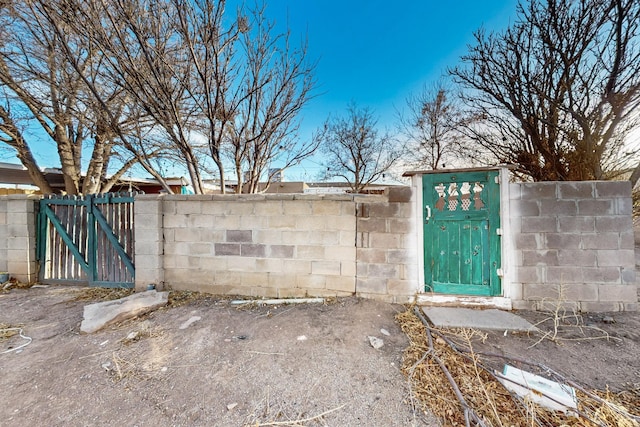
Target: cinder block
326, 207
563, 240
282, 221
596, 207
541, 257
246, 222
271, 237
399, 194
564, 274
340, 253
583, 258
527, 241
311, 281
538, 190
402, 287
602, 275
253, 250
241, 263
572, 224
599, 307
540, 224
629, 276
188, 207
388, 271
214, 208
269, 208
231, 222
618, 293
347, 238
296, 237
384, 240
309, 252
614, 223
401, 256
401, 225
297, 207
281, 251
627, 240
325, 238
525, 208
530, 274
238, 207
269, 265
371, 224
253, 279
575, 190
616, 258
151, 208
264, 292
624, 206
342, 223
312, 222
600, 241
325, 268
196, 248
613, 189
552, 207
148, 262
239, 236
371, 285
296, 266
348, 268
175, 221
384, 210
153, 248
226, 249
147, 221
341, 283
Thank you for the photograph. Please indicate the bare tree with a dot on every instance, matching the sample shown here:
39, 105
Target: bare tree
355, 150
275, 82
432, 126
558, 89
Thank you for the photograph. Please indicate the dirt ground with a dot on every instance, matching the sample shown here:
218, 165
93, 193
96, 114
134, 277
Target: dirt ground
204, 362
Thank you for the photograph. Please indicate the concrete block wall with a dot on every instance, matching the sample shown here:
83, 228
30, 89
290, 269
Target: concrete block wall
573, 238
387, 246
272, 246
18, 237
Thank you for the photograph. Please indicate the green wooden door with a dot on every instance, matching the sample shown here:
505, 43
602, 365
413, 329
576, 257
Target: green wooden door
461, 233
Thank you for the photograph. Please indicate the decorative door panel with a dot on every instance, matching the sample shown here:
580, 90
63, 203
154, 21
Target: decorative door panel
461, 233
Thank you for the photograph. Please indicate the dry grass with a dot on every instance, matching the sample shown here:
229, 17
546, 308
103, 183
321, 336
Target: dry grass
7, 330
450, 352
102, 294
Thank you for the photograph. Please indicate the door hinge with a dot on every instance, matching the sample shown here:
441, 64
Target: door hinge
500, 272
499, 231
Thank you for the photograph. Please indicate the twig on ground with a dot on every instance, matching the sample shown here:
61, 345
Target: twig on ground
300, 421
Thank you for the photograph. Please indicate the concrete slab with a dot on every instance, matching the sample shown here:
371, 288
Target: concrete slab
101, 314
492, 319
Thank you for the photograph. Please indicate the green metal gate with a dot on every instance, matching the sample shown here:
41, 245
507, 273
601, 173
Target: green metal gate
87, 239
461, 233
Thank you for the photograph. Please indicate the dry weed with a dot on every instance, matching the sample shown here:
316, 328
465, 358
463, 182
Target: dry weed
102, 294
452, 381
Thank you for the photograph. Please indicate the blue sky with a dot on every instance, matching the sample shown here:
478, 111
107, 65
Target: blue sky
377, 53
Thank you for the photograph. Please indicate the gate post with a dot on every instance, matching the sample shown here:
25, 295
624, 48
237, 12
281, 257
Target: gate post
148, 220
20, 238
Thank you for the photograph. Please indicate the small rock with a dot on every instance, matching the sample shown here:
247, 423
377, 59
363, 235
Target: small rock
132, 336
608, 320
189, 322
164, 369
230, 406
383, 331
106, 366
302, 338
104, 343
376, 342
